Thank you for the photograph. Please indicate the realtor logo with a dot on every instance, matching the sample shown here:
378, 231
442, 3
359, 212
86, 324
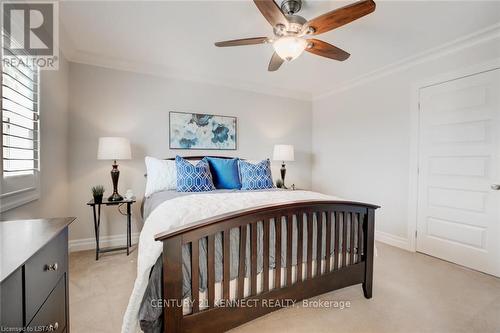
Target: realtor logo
30, 34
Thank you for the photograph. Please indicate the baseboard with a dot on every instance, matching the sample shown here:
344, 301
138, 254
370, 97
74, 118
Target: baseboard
393, 240
104, 241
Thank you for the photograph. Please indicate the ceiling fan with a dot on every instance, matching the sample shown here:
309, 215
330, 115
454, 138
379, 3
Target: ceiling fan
291, 30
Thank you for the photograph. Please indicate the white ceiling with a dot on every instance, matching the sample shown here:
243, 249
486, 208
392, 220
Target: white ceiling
175, 38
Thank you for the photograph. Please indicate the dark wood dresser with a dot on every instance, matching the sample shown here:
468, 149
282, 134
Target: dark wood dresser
34, 275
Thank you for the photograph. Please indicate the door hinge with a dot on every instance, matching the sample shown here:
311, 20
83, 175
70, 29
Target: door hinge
416, 233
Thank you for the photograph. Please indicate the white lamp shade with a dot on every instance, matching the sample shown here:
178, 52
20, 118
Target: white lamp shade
113, 148
289, 48
283, 153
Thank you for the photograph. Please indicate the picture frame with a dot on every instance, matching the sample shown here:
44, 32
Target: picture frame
202, 131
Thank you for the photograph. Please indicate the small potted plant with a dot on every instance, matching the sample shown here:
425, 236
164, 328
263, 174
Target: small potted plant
97, 192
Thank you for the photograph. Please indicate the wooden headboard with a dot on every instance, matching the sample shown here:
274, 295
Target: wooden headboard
199, 157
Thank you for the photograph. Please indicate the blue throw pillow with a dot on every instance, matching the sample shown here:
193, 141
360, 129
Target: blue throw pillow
255, 176
193, 178
225, 173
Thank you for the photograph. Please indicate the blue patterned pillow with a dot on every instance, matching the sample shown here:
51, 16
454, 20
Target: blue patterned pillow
255, 176
193, 178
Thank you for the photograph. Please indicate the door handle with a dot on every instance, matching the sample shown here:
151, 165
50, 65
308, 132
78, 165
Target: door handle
495, 187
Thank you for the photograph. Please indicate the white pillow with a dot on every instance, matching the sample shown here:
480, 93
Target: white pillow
161, 175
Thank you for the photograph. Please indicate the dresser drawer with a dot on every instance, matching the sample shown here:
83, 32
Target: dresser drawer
43, 271
52, 314
11, 304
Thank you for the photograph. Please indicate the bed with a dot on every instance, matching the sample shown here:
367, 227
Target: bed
249, 253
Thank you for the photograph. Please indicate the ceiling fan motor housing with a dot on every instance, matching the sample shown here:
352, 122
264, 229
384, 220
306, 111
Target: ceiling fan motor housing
291, 7
294, 26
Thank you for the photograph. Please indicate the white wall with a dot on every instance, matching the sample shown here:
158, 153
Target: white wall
53, 200
117, 103
361, 137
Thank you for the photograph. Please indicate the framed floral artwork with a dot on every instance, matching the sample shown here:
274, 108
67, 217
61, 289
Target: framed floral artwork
202, 131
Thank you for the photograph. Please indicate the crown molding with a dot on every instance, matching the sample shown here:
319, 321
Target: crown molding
87, 58
478, 37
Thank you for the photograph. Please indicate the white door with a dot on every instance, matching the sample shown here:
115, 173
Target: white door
459, 172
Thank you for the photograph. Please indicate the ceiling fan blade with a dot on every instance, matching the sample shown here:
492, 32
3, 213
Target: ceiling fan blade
271, 12
243, 41
341, 16
323, 49
275, 62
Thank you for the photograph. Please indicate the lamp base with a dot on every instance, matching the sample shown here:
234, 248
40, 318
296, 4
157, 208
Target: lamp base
115, 197
283, 173
115, 174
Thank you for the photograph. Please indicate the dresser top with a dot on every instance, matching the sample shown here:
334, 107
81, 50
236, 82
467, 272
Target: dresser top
21, 239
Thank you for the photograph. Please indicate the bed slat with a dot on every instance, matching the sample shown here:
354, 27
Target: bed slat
360, 237
328, 240
211, 270
344, 239
300, 244
357, 244
226, 258
319, 241
337, 242
277, 253
241, 262
351, 241
195, 277
265, 253
253, 282
310, 218
289, 241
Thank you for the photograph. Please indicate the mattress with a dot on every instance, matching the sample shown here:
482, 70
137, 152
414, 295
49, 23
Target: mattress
154, 200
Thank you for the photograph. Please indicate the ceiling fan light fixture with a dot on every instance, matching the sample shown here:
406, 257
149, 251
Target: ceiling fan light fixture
292, 32
289, 48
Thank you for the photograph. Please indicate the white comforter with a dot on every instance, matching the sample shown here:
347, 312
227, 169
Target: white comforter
188, 209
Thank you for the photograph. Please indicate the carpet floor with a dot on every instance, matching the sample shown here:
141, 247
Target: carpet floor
412, 292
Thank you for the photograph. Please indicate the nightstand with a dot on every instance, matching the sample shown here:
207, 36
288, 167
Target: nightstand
96, 207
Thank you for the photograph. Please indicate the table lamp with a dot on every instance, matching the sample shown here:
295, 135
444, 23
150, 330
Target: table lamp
114, 148
283, 153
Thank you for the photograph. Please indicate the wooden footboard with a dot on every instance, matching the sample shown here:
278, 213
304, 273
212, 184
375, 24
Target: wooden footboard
349, 228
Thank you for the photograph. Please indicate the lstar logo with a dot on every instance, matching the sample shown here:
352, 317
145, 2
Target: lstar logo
30, 33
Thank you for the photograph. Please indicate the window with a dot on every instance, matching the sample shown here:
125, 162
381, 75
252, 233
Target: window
20, 135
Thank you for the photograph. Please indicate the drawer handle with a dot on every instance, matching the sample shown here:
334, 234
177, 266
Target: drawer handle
52, 267
53, 327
